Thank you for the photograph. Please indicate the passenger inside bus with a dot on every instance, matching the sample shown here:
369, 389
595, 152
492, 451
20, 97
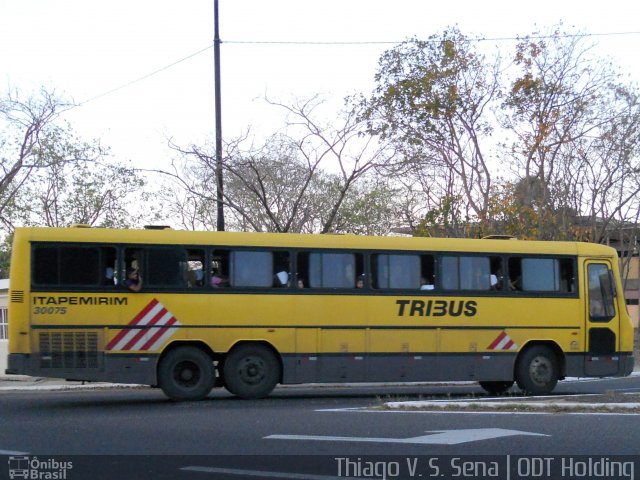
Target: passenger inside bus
219, 280
133, 281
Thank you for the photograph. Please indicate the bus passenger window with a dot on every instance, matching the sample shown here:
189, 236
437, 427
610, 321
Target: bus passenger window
567, 276
132, 276
427, 272
466, 273
219, 269
73, 265
302, 270
108, 260
251, 269
45, 265
79, 266
332, 270
542, 274
164, 267
281, 269
194, 269
396, 271
515, 274
497, 275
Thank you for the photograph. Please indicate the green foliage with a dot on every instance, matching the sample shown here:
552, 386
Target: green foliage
423, 83
51, 177
442, 221
77, 184
370, 208
5, 256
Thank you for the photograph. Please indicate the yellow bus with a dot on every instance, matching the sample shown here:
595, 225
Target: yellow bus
190, 311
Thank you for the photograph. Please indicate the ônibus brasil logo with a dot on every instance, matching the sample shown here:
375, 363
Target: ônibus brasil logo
38, 469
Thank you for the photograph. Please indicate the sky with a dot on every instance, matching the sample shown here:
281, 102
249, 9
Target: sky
121, 59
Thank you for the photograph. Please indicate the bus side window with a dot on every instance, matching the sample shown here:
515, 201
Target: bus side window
45, 265
396, 271
251, 268
332, 269
427, 272
219, 273
497, 274
556, 275
540, 275
165, 266
466, 273
81, 266
194, 269
515, 274
302, 270
567, 276
133, 262
108, 259
281, 269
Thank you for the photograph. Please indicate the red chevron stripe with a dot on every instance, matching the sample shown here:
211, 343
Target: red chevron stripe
497, 341
143, 331
159, 333
135, 320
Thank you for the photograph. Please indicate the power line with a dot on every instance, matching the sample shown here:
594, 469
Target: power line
293, 42
388, 42
144, 77
329, 43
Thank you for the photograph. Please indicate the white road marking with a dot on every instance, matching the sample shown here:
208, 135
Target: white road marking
438, 437
12, 452
261, 473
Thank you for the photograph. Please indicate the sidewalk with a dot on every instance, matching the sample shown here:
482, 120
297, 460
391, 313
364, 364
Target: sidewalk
25, 383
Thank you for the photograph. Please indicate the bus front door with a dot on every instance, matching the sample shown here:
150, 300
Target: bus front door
602, 320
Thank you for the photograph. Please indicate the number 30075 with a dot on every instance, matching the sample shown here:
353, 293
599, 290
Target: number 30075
49, 310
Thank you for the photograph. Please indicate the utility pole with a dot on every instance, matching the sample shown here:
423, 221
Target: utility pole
219, 182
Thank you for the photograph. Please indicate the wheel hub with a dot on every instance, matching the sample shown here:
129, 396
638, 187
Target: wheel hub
541, 370
253, 370
187, 374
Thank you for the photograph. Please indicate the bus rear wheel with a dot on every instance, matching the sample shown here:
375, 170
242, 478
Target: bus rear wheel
251, 371
496, 388
537, 371
186, 373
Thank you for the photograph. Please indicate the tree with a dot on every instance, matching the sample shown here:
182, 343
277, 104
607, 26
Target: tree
23, 125
299, 180
50, 177
74, 181
89, 193
561, 109
432, 101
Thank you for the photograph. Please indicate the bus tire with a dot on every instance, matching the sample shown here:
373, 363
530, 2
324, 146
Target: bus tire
537, 370
186, 373
496, 388
251, 371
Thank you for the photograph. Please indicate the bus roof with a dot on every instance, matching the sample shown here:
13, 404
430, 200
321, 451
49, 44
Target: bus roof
297, 240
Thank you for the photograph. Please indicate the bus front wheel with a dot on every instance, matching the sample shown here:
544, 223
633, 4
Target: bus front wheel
186, 373
251, 371
537, 370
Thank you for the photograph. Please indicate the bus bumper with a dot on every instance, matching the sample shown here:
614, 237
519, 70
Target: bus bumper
589, 365
107, 368
628, 363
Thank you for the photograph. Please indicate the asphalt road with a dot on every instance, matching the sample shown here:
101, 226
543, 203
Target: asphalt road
311, 433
